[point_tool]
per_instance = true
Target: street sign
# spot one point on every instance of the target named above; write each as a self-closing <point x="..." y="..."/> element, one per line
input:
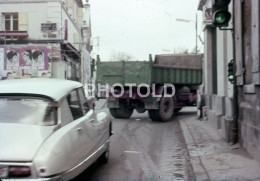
<point x="47" y="27"/>
<point x="207" y="15"/>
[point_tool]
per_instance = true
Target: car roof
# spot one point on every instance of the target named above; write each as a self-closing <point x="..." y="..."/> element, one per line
<point x="52" y="88"/>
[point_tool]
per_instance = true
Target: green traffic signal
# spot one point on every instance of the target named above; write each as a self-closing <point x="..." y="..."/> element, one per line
<point x="220" y="17"/>
<point x="231" y="71"/>
<point x="231" y="77"/>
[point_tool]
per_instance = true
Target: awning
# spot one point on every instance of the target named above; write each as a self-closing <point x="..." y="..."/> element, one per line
<point x="14" y="33"/>
<point x="71" y="51"/>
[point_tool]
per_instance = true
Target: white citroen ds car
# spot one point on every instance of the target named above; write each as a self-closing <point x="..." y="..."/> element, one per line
<point x="48" y="131"/>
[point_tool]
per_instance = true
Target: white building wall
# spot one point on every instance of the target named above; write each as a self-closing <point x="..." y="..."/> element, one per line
<point x="221" y="67"/>
<point x="45" y="12"/>
<point x="219" y="104"/>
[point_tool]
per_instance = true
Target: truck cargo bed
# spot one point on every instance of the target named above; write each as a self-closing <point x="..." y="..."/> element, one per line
<point x="174" y="69"/>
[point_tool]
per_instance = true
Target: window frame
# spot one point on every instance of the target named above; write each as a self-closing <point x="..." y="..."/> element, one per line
<point x="12" y="19"/>
<point x="79" y="103"/>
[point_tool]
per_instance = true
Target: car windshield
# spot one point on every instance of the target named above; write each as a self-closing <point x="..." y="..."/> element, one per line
<point x="26" y="111"/>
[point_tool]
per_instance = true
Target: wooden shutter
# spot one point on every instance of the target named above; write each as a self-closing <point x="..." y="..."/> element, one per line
<point x="22" y="21"/>
<point x="80" y="17"/>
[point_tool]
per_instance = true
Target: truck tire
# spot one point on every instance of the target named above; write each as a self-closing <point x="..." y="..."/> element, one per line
<point x="140" y="110"/>
<point x="177" y="110"/>
<point x="123" y="112"/>
<point x="153" y="115"/>
<point x="113" y="112"/>
<point x="165" y="111"/>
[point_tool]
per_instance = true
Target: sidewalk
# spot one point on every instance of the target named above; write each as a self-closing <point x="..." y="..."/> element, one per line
<point x="214" y="159"/>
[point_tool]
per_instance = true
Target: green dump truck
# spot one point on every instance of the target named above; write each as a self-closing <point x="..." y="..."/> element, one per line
<point x="163" y="86"/>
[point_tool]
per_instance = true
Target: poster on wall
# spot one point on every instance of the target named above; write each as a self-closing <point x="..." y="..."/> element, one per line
<point x="24" y="62"/>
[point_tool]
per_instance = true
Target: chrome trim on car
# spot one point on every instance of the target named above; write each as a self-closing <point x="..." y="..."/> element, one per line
<point x="88" y="158"/>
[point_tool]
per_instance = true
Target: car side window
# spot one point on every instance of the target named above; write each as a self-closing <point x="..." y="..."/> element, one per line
<point x="83" y="100"/>
<point x="74" y="104"/>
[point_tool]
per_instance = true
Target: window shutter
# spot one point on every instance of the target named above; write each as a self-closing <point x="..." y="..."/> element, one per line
<point x="2" y="21"/>
<point x="22" y="20"/>
<point x="70" y="4"/>
<point x="80" y="17"/>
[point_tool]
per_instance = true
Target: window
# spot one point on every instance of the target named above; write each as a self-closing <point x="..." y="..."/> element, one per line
<point x="11" y="21"/>
<point x="26" y="110"/>
<point x="74" y="104"/>
<point x="83" y="99"/>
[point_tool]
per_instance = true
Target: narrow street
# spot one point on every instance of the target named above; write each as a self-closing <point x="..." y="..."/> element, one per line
<point x="145" y="150"/>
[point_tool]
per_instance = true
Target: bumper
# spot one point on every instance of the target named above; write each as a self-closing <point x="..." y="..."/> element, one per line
<point x="56" y="178"/>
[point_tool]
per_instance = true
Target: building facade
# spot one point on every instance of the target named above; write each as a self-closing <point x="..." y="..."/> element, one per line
<point x="233" y="109"/>
<point x="44" y="38"/>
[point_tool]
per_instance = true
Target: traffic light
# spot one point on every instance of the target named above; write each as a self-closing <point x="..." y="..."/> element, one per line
<point x="92" y="66"/>
<point x="220" y="14"/>
<point x="231" y="71"/>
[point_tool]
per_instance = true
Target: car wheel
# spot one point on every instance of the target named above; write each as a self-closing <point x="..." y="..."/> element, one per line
<point x="105" y="156"/>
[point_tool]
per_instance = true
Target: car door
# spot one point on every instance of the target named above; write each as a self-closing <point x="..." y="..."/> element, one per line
<point x="90" y="124"/>
<point x="97" y="126"/>
<point x="78" y="133"/>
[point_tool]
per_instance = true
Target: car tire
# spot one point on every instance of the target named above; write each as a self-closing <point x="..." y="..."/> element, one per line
<point x="103" y="159"/>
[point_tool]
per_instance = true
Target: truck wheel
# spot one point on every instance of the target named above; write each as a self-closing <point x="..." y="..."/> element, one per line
<point x="153" y="114"/>
<point x="123" y="112"/>
<point x="177" y="110"/>
<point x="166" y="108"/>
<point x="140" y="110"/>
<point x="113" y="112"/>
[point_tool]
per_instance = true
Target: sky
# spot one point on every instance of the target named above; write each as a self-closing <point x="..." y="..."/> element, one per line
<point x="142" y="27"/>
